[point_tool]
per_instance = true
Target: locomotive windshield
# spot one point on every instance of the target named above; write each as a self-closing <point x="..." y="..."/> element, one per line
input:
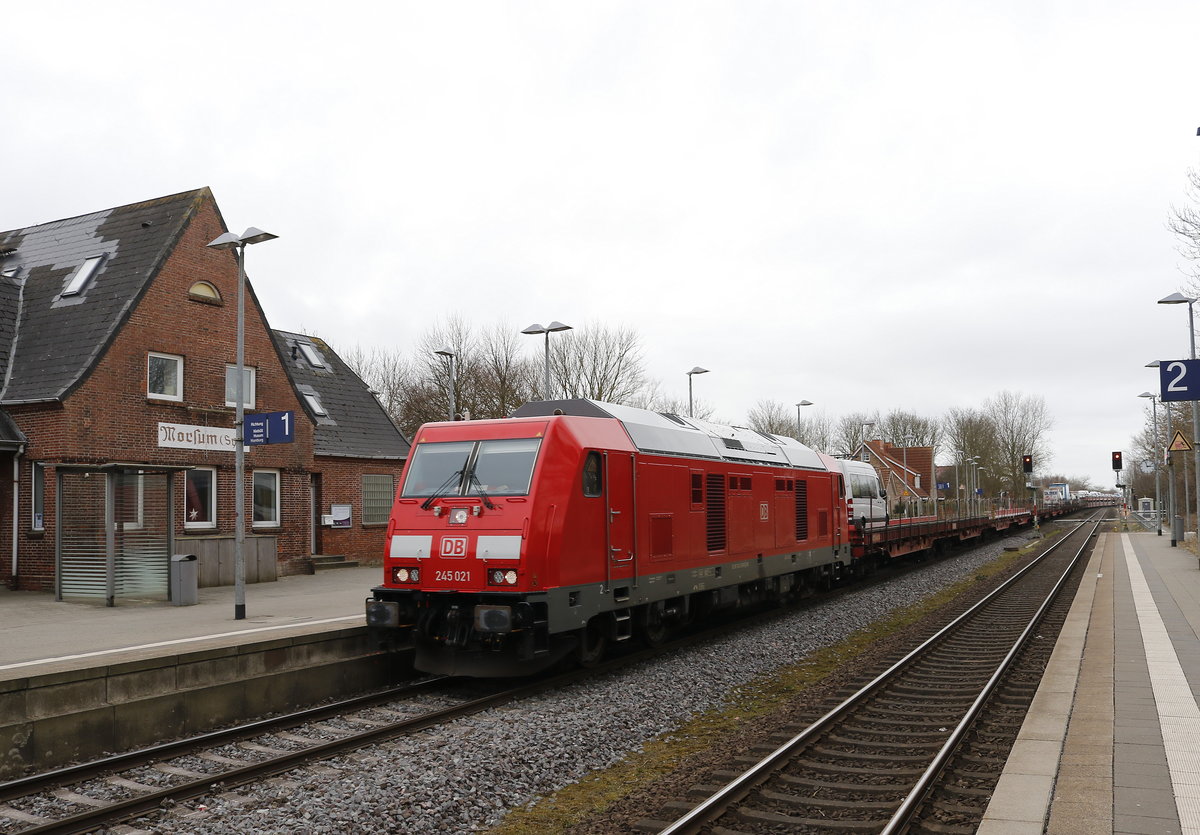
<point x="461" y="468"/>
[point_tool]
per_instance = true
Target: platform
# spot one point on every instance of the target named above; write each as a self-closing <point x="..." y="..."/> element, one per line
<point x="1112" y="742"/>
<point x="43" y="636"/>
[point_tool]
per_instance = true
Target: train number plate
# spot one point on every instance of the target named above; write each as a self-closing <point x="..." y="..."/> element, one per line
<point x="452" y="576"/>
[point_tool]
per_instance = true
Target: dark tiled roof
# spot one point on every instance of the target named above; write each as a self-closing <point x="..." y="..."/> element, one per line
<point x="11" y="437"/>
<point x="355" y="426"/>
<point x="48" y="342"/>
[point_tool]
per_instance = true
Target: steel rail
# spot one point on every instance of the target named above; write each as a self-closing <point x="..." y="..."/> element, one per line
<point x="904" y="815"/>
<point x="738" y="788"/>
<point x="81" y="771"/>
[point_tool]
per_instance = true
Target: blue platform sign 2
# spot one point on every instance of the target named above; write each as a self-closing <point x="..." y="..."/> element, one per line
<point x="270" y="428"/>
<point x="1179" y="379"/>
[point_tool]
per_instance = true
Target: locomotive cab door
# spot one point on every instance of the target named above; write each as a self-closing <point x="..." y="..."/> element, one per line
<point x="620" y="494"/>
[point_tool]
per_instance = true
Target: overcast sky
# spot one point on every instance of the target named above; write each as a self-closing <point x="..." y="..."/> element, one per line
<point x="868" y="205"/>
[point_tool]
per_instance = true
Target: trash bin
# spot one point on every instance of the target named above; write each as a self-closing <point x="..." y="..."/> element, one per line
<point x="184" y="580"/>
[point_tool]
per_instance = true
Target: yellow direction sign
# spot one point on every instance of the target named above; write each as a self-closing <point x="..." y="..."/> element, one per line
<point x="1179" y="443"/>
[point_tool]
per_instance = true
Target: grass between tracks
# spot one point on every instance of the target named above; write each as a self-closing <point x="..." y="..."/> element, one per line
<point x="764" y="695"/>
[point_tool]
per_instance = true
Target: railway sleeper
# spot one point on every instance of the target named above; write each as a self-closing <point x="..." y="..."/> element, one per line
<point x="760" y="816"/>
<point x="822" y="785"/>
<point x="873" y="738"/>
<point x="840" y="770"/>
<point x="838" y="754"/>
<point x="853" y="804"/>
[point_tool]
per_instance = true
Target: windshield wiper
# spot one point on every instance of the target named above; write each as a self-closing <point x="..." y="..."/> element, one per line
<point x="482" y="494"/>
<point x="438" y="493"/>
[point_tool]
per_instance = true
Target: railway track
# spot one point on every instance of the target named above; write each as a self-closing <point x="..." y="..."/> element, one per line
<point x="92" y="795"/>
<point x="917" y="748"/>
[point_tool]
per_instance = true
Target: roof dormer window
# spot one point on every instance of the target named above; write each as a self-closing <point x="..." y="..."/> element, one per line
<point x="79" y="280"/>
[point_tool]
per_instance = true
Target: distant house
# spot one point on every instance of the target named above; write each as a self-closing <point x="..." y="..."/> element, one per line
<point x="908" y="474"/>
<point x="117" y="361"/>
<point x="357" y="451"/>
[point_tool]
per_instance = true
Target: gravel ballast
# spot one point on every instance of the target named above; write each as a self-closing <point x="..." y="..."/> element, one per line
<point x="465" y="776"/>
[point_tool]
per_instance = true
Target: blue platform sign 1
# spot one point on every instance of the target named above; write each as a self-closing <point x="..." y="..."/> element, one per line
<point x="1179" y="379"/>
<point x="270" y="428"/>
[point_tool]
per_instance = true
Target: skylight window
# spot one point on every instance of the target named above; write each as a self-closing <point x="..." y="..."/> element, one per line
<point x="312" y="355"/>
<point x="86" y="270"/>
<point x="314" y="403"/>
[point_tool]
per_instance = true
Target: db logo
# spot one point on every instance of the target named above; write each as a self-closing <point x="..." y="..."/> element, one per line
<point x="454" y="546"/>
<point x="763" y="513"/>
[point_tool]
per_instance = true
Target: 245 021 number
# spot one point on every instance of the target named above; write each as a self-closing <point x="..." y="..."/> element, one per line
<point x="452" y="576"/>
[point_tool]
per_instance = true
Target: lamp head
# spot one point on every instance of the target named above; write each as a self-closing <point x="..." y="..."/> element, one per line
<point x="1176" y="298"/>
<point x="697" y="370"/>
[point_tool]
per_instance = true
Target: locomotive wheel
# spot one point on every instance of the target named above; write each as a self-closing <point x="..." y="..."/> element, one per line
<point x="593" y="643"/>
<point x="652" y="626"/>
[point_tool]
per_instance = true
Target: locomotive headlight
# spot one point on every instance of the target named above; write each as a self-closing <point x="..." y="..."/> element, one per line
<point x="406" y="575"/>
<point x="502" y="577"/>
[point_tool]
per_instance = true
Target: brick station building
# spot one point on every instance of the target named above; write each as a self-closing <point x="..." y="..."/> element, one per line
<point x="117" y="377"/>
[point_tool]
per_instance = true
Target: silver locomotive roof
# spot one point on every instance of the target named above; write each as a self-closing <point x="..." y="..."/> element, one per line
<point x="670" y="434"/>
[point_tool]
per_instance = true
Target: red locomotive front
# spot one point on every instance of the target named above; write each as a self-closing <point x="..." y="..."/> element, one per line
<point x="514" y="543"/>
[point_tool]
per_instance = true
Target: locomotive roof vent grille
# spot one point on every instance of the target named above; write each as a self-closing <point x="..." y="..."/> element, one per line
<point x="733" y="443"/>
<point x="675" y="419"/>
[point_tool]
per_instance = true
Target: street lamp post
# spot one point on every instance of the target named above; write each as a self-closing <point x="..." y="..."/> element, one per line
<point x="238" y="244"/>
<point x="446" y="352"/>
<point x="1179" y="298"/>
<point x="690" y="374"/>
<point x="1157" y="482"/>
<point x="799" y="422"/>
<point x="553" y="327"/>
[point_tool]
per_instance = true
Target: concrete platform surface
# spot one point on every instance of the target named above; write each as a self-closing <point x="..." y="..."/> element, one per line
<point x="41" y="635"/>
<point x="1112" y="742"/>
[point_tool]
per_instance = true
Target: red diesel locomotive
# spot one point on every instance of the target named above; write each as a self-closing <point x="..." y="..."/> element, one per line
<point x="515" y="543"/>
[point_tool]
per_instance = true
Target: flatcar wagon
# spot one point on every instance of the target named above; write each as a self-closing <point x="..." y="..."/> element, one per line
<point x="516" y="543"/>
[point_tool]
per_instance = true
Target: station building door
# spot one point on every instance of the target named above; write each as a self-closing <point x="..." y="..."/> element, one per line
<point x="115" y="533"/>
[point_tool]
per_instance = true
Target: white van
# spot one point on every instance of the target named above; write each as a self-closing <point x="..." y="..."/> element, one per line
<point x="866" y="500"/>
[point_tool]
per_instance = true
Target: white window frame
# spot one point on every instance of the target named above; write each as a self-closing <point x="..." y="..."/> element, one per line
<point x="37" y="507"/>
<point x="314" y="402"/>
<point x="175" y="398"/>
<point x="311" y="354"/>
<point x="212" y="500"/>
<point x="81" y="277"/>
<point x="251" y="381"/>
<point x="266" y="523"/>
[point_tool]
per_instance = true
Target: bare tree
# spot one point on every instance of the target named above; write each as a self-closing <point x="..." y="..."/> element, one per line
<point x="597" y="362"/>
<point x="772" y="417"/>
<point x="816" y="431"/>
<point x="1020" y="423"/>
<point x="1185" y="221"/>
<point x="852" y="431"/>
<point x="900" y="428"/>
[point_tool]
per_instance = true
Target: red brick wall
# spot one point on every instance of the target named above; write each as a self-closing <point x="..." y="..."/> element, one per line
<point x="109" y="417"/>
<point x="341" y="483"/>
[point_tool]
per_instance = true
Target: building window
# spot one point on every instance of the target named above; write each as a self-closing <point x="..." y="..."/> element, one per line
<point x="266" y="498"/>
<point x="164" y="377"/>
<point x="200" y="498"/>
<point x="39" y="497"/>
<point x="377" y="494"/>
<point x="314" y="403"/>
<point x="311" y="354"/>
<point x="80" y="279"/>
<point x="203" y="291"/>
<point x="248" y="377"/>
